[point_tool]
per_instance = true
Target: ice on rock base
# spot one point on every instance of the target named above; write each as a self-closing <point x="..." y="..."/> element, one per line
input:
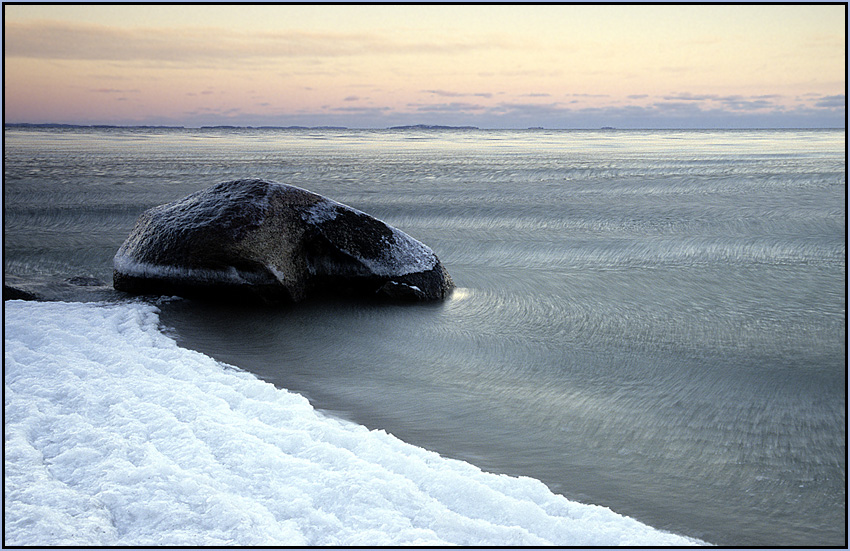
<point x="115" y="436"/>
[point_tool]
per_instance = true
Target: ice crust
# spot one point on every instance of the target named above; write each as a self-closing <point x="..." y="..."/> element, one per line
<point x="231" y="275"/>
<point x="402" y="255"/>
<point x="115" y="436"/>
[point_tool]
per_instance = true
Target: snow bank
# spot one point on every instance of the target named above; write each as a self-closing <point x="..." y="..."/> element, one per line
<point x="116" y="436"/>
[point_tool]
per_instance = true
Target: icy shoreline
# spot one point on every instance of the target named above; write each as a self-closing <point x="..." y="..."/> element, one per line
<point x="116" y="436"/>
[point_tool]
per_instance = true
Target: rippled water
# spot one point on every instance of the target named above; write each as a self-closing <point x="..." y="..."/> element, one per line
<point x="651" y="321"/>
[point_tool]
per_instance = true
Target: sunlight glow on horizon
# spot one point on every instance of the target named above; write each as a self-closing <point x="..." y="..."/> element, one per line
<point x="374" y="66"/>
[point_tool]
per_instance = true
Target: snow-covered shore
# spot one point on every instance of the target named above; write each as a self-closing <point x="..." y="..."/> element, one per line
<point x="116" y="436"/>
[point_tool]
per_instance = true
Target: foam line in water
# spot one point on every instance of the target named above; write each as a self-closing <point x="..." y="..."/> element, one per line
<point x="116" y="436"/>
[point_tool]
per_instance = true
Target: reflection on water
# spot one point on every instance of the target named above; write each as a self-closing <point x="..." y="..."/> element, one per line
<point x="651" y="321"/>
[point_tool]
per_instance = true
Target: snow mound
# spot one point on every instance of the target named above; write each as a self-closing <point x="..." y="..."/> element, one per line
<point x="115" y="436"/>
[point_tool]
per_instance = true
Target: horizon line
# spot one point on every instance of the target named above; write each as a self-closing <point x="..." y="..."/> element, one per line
<point x="395" y="127"/>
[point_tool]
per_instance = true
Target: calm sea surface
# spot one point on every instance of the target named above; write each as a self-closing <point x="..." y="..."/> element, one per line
<point x="653" y="321"/>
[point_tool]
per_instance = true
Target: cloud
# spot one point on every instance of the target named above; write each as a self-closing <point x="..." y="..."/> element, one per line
<point x="114" y="91"/>
<point x="360" y="110"/>
<point x="684" y="101"/>
<point x="832" y="101"/>
<point x="351" y="98"/>
<point x="77" y="41"/>
<point x="213" y="115"/>
<point x="676" y="106"/>
<point x="453" y="107"/>
<point x="524" y="73"/>
<point x="727" y="112"/>
<point x="661" y="114"/>
<point x="748" y="105"/>
<point x="525" y="111"/>
<point x="691" y="97"/>
<point x="449" y="94"/>
<point x="709" y="111"/>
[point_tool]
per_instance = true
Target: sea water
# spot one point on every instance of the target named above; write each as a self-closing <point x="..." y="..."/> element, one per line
<point x="651" y="321"/>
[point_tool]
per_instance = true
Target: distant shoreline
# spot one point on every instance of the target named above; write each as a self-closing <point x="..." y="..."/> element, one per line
<point x="402" y="127"/>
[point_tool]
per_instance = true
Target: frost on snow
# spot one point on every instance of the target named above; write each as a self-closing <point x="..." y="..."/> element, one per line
<point x="115" y="436"/>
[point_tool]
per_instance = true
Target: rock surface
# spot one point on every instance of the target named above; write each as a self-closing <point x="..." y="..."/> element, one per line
<point x="279" y="243"/>
<point x="13" y="293"/>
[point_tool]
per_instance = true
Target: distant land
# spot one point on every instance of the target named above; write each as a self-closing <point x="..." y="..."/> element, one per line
<point x="216" y="127"/>
<point x="233" y="127"/>
<point x="404" y="127"/>
<point x="230" y="127"/>
<point x="60" y="125"/>
<point x="432" y="127"/>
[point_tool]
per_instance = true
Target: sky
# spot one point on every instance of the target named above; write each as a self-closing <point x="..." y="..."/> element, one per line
<point x="374" y="66"/>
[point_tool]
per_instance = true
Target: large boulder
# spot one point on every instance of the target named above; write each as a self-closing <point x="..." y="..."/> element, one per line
<point x="276" y="242"/>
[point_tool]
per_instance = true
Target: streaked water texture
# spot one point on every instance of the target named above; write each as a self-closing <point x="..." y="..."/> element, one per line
<point x="653" y="321"/>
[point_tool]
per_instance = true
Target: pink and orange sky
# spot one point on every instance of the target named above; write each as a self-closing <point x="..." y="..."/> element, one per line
<point x="373" y="66"/>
